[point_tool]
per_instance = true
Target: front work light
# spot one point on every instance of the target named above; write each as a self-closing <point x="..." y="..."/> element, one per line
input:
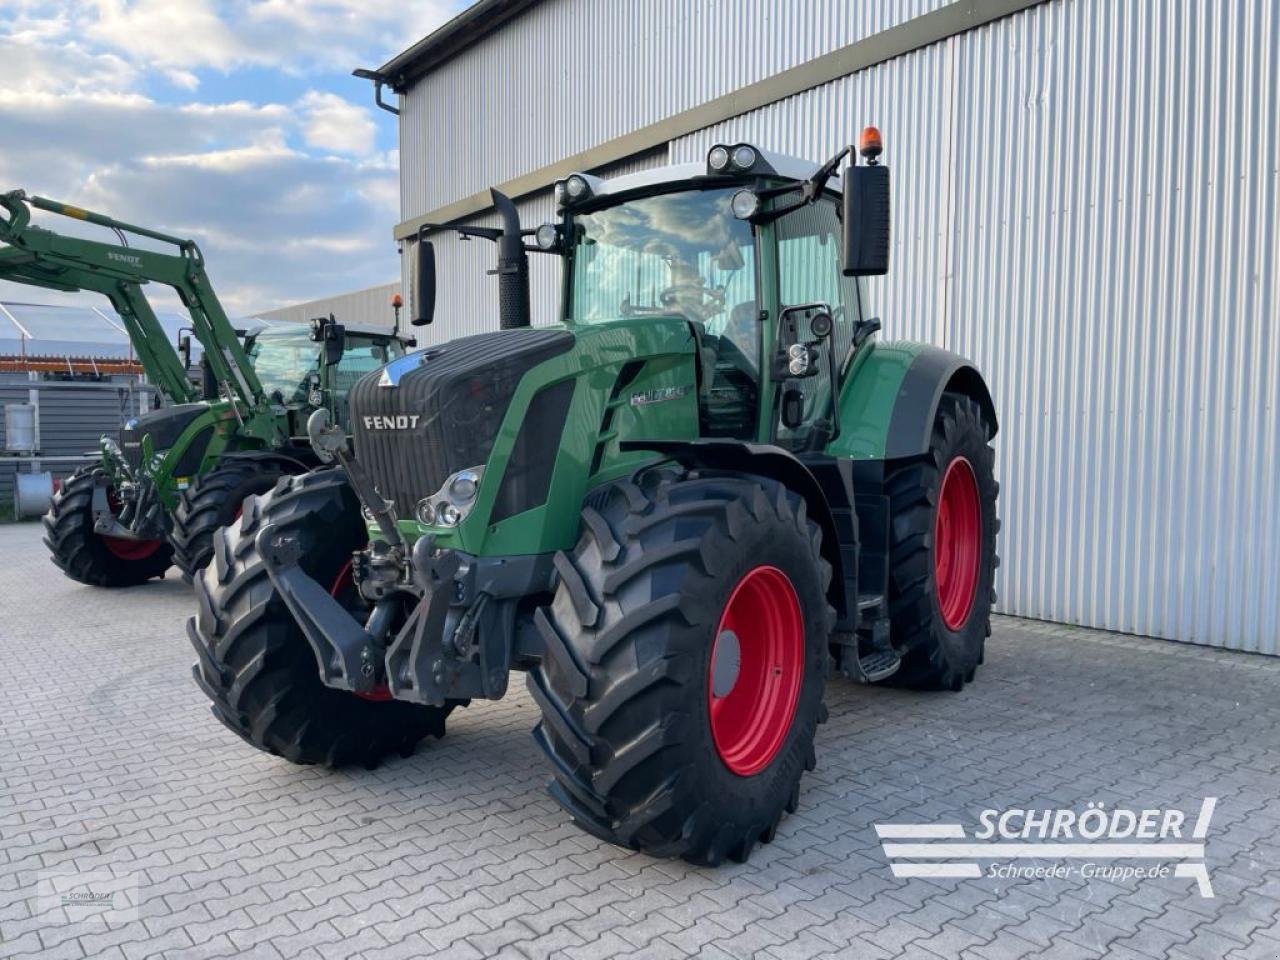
<point x="545" y="236"/>
<point x="575" y="187"/>
<point x="745" y="204"/>
<point x="744" y="157"/>
<point x="718" y="158"/>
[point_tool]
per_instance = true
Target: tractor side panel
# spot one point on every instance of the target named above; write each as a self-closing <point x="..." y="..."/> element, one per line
<point x="867" y="398"/>
<point x="186" y="457"/>
<point x="561" y="431"/>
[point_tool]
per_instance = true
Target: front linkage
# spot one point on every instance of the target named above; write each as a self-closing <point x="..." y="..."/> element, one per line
<point x="457" y="639"/>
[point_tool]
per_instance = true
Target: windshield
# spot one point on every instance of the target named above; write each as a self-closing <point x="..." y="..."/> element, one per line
<point x="282" y="362"/>
<point x="679" y="254"/>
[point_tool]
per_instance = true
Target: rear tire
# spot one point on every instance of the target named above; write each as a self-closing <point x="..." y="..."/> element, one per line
<point x="213" y="501"/>
<point x="254" y="663"/>
<point x="639" y="673"/>
<point x="942" y="570"/>
<point x="87" y="556"/>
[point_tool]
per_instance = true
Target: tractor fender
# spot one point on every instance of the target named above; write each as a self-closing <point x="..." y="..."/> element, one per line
<point x="741" y="456"/>
<point x="933" y="372"/>
<point x="890" y="397"/>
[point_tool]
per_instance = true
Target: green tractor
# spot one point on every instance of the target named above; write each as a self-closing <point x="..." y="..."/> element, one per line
<point x="178" y="473"/>
<point x="676" y="511"/>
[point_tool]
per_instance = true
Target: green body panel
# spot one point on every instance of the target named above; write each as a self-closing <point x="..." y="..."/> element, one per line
<point x="161" y="467"/>
<point x="868" y="392"/>
<point x="666" y="349"/>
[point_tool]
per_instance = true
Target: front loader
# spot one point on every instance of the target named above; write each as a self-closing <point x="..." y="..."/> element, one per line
<point x="675" y="511"/>
<point x="178" y="472"/>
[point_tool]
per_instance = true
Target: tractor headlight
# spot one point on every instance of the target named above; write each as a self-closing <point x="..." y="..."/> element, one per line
<point x="575" y="187"/>
<point x="545" y="236"/>
<point x="798" y="359"/>
<point x="463" y="486"/>
<point x="559" y="193"/>
<point x="745" y="204"/>
<point x="744" y="157"/>
<point x="449" y="505"/>
<point x="718" y="158"/>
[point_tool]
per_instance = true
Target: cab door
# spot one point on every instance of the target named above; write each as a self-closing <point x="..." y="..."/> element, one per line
<point x="809" y="284"/>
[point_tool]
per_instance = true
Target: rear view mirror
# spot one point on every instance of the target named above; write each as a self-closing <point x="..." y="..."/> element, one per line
<point x="424" y="283"/>
<point x="184" y="348"/>
<point x="335" y="342"/>
<point x="866" y="221"/>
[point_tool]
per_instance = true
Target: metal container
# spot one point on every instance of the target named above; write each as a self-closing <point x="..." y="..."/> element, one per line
<point x="33" y="493"/>
<point x="20" y="427"/>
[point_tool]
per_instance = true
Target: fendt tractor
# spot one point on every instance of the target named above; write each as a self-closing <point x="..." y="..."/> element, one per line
<point x="178" y="473"/>
<point x="676" y="510"/>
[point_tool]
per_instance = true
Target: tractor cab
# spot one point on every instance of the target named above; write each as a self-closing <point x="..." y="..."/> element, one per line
<point x="746" y="250"/>
<point x="303" y="369"/>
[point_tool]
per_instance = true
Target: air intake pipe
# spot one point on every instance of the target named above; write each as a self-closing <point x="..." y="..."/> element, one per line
<point x="513" y="267"/>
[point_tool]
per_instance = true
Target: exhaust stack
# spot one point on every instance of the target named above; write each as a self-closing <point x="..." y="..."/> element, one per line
<point x="513" y="267"/>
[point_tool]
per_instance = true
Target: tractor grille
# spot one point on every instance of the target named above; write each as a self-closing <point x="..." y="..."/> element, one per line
<point x="164" y="426"/>
<point x="437" y="411"/>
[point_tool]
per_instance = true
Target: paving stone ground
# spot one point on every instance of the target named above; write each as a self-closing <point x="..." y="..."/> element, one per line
<point x="113" y="770"/>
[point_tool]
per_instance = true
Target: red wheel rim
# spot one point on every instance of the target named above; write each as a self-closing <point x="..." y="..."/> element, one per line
<point x="343" y="587"/>
<point x="957" y="543"/>
<point x="752" y="710"/>
<point x="122" y="547"/>
<point x="125" y="549"/>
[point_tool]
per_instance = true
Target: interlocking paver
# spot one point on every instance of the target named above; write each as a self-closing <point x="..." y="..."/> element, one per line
<point x="458" y="852"/>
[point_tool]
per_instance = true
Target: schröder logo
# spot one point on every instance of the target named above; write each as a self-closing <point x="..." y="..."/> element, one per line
<point x="1092" y="843"/>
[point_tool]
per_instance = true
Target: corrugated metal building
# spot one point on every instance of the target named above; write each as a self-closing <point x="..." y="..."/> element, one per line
<point x="365" y="308"/>
<point x="1085" y="203"/>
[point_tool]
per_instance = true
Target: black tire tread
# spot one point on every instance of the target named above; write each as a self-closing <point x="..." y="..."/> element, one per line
<point x="606" y="742"/>
<point x="252" y="661"/>
<point x="929" y="661"/>
<point x="207" y="505"/>
<point x="79" y="552"/>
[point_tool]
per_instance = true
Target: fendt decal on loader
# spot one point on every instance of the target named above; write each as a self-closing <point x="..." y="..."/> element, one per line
<point x="176" y="474"/>
<point x="676" y="579"/>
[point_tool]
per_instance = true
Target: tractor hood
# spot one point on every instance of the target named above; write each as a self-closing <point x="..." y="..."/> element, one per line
<point x="164" y="426"/>
<point x="437" y="411"/>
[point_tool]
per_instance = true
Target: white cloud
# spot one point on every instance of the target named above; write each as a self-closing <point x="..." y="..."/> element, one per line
<point x="165" y="33"/>
<point x="337" y="125"/>
<point x="288" y="200"/>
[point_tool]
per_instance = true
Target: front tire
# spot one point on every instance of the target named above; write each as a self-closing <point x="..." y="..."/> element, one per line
<point x="943" y="550"/>
<point x="686" y="651"/>
<point x="213" y="501"/>
<point x="254" y="663"/>
<point x="84" y="554"/>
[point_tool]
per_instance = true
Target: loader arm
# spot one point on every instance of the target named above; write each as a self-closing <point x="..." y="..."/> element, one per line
<point x="45" y="258"/>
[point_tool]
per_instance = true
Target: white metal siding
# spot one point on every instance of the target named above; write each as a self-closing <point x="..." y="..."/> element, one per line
<point x="569" y="75"/>
<point x="367" y="308"/>
<point x="1085" y="202"/>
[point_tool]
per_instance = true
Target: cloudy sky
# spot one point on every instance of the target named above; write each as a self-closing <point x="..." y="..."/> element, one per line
<point x="236" y="123"/>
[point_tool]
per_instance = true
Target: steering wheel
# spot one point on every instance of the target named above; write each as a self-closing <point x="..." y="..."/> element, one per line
<point x="710" y="300"/>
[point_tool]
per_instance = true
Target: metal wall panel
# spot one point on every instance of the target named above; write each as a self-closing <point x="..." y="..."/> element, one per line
<point x="1085" y="202"/>
<point x="73" y="416"/>
<point x="571" y="74"/>
<point x="367" y="308"/>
